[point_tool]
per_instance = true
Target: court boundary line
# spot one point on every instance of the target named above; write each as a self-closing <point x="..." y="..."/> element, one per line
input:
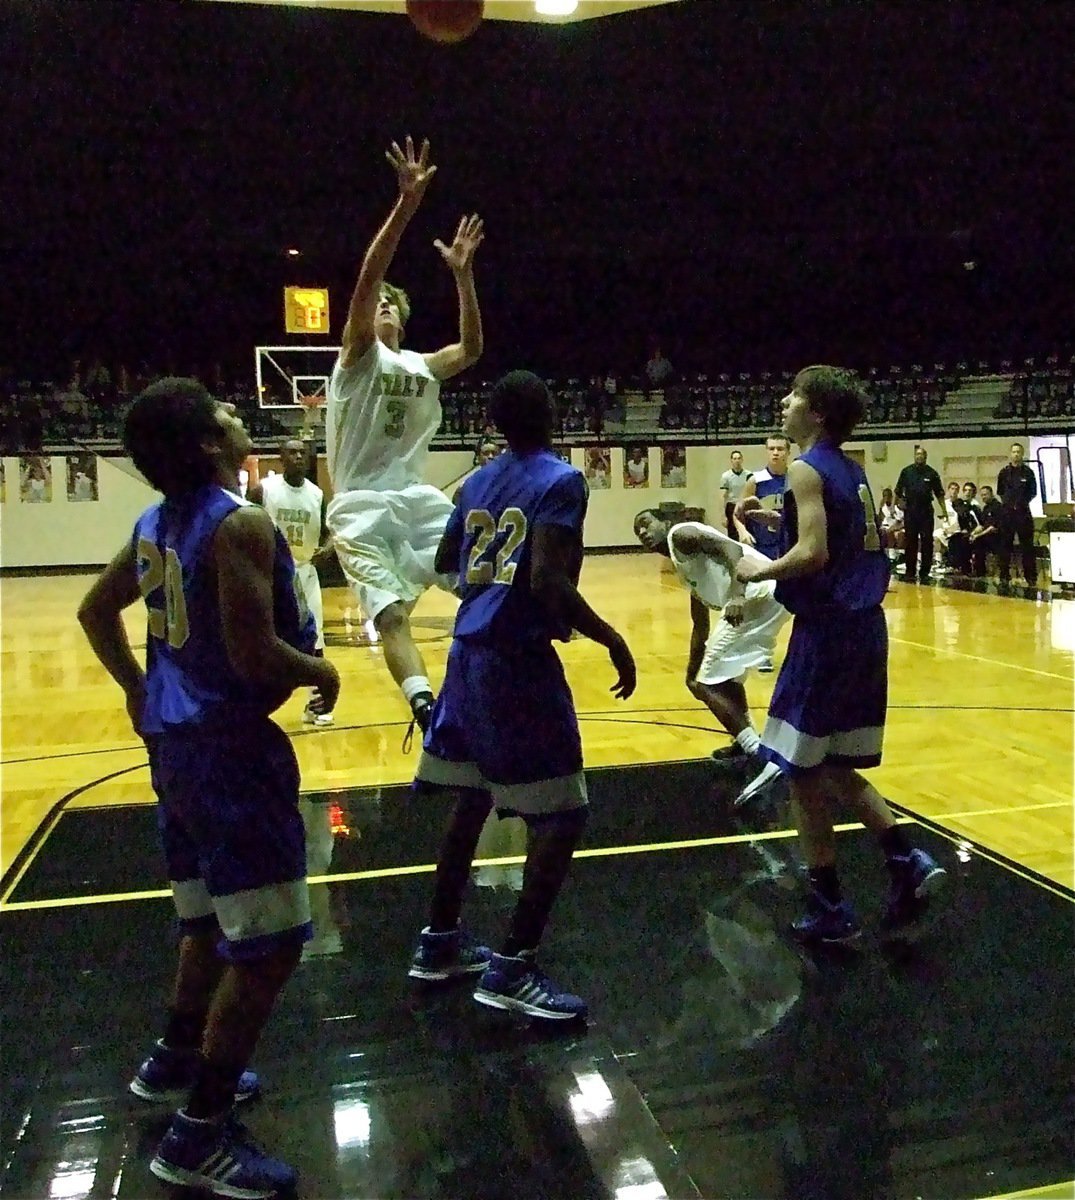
<point x="994" y="856"/>
<point x="399" y="872"/>
<point x="905" y="817"/>
<point x="595" y="714"/>
<point x="1047" y="1191"/>
<point x="20" y="864"/>
<point x="992" y="662"/>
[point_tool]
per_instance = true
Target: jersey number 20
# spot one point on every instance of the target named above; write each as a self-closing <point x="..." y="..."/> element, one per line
<point x="169" y="623"/>
<point x="480" y="522"/>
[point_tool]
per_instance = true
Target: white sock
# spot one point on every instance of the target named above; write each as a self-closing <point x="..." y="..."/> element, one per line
<point x="413" y="686"/>
<point x="748" y="738"/>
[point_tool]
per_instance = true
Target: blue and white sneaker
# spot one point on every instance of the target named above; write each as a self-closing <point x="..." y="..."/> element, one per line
<point x="766" y="779"/>
<point x="448" y="955"/>
<point x="913" y="885"/>
<point x="168" y="1075"/>
<point x="220" y="1157"/>
<point x="517" y="985"/>
<point x="825" y="922"/>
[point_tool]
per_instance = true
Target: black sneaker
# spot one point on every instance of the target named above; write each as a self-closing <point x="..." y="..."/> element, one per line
<point x="728" y="753"/>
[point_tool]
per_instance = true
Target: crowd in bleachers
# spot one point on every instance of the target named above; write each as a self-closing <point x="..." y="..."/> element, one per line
<point x="87" y="405"/>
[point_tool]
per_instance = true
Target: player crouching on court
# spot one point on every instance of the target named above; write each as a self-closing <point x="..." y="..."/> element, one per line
<point x="827" y="715"/>
<point x="705" y="560"/>
<point x="504" y="730"/>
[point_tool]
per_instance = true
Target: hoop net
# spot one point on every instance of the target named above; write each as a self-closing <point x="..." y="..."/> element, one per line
<point x="311" y="412"/>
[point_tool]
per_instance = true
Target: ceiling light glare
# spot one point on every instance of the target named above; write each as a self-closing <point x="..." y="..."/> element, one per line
<point x="555" y="8"/>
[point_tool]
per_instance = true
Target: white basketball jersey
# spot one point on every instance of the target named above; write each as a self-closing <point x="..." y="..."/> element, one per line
<point x="710" y="579"/>
<point x="380" y="417"/>
<point x="296" y="512"/>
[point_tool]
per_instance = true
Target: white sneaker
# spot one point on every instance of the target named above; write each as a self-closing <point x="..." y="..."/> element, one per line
<point x="766" y="777"/>
<point x="318" y="720"/>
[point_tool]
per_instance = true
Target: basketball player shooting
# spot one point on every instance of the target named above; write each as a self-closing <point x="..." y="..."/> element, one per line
<point x="382" y="410"/>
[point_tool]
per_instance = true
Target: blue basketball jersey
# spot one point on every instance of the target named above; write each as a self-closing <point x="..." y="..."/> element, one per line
<point x="499" y="508"/>
<point x="770" y="491"/>
<point x="189" y="676"/>
<point x="857" y="573"/>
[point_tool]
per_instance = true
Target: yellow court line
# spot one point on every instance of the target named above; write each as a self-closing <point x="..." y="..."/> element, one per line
<point x="993" y="662"/>
<point x="594" y="852"/>
<point x="1051" y="1191"/>
<point x="34" y="853"/>
<point x="429" y="868"/>
<point x="1000" y="812"/>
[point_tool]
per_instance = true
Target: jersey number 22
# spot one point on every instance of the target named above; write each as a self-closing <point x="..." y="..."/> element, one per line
<point x="480" y="522"/>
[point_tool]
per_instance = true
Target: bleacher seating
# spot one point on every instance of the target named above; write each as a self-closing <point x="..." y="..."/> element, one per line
<point x="966" y="398"/>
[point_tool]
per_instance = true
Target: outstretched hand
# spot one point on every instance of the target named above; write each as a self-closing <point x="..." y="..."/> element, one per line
<point x="623" y="664"/>
<point x="413" y="174"/>
<point x="459" y="256"/>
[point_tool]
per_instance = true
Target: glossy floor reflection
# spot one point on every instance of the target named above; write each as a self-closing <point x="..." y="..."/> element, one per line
<point x="720" y="1061"/>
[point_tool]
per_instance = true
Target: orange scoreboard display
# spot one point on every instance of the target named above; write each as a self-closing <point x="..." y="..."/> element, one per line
<point x="306" y="310"/>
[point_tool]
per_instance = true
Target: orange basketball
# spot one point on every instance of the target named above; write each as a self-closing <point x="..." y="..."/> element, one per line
<point x="446" y="20"/>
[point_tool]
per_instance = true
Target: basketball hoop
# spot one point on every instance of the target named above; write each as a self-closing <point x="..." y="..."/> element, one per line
<point x="311" y="413"/>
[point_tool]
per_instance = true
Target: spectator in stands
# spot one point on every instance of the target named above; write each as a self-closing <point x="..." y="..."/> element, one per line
<point x="732" y="483"/>
<point x="658" y="373"/>
<point x="916" y="488"/>
<point x="985" y="539"/>
<point x="1016" y="487"/>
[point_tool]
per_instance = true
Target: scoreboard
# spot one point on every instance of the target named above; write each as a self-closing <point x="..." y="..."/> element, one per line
<point x="306" y="310"/>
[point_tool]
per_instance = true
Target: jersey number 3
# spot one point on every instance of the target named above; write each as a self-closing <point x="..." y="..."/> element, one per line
<point x="169" y="623"/>
<point x="480" y="523"/>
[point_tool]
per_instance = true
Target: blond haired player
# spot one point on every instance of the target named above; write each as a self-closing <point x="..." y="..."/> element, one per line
<point x="382" y="411"/>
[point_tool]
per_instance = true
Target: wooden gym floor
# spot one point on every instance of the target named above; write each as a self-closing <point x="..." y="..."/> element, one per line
<point x="979" y="735"/>
<point x="719" y="1061"/>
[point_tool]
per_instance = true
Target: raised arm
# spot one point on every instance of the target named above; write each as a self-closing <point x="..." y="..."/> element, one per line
<point x="413" y="175"/>
<point x="459" y="257"/>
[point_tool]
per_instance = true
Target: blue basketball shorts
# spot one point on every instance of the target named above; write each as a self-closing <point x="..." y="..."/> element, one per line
<point x="505" y="723"/>
<point x="831" y="696"/>
<point x="232" y="833"/>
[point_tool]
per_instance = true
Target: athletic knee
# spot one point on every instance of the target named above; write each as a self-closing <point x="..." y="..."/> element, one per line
<point x="393" y="619"/>
<point x="473" y="803"/>
<point x="270" y="971"/>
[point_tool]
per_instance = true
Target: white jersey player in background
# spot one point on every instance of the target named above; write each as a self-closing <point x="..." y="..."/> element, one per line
<point x="382" y="410"/>
<point x="705" y="560"/>
<point x="297" y="507"/>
